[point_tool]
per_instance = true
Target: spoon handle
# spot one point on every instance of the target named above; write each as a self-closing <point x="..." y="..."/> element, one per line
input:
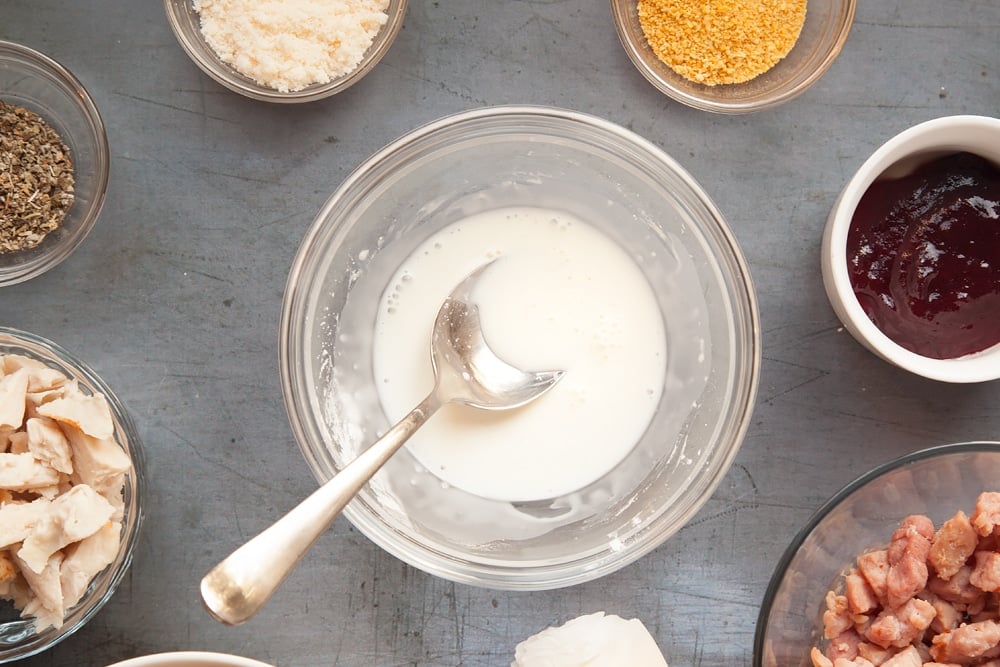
<point x="235" y="589"/>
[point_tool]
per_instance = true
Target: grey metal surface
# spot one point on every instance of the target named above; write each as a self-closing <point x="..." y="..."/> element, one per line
<point x="175" y="296"/>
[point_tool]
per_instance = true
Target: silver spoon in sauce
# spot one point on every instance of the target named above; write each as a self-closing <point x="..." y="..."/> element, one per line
<point x="465" y="371"/>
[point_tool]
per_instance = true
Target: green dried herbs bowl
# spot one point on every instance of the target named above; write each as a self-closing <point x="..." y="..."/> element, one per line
<point x="35" y="82"/>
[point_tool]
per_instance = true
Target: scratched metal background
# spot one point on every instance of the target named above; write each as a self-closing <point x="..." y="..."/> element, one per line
<point x="175" y="296"/>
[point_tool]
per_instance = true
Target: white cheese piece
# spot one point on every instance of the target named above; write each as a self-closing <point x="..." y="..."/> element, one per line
<point x="17" y="520"/>
<point x="89" y="413"/>
<point x="22" y="472"/>
<point x="76" y="514"/>
<point x="594" y="640"/>
<point x="89" y="556"/>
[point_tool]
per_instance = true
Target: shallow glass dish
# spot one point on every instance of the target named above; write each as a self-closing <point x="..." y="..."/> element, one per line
<point x="862" y="516"/>
<point x="18" y="638"/>
<point x="521" y="156"/>
<point x="38" y="83"/>
<point x="826" y="27"/>
<point x="186" y="24"/>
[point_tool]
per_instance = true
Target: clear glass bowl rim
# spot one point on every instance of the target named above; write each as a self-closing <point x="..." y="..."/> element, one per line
<point x="528" y="576"/>
<point x="793" y="548"/>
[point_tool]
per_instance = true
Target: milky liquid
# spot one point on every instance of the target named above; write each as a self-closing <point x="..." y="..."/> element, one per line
<point x="562" y="295"/>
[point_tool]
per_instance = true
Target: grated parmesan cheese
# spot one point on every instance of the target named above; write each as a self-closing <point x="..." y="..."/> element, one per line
<point x="290" y="44"/>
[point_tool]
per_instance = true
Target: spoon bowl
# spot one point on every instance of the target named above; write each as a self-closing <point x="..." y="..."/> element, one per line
<point x="466" y="371"/>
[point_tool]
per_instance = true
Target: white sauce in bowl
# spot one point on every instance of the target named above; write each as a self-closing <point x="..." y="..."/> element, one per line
<point x="562" y="296"/>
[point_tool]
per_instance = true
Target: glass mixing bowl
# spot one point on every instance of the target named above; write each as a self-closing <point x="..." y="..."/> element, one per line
<point x="542" y="157"/>
<point x="18" y="638"/>
<point x="862" y="516"/>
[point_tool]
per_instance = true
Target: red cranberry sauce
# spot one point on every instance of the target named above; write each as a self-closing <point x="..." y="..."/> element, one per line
<point x="923" y="253"/>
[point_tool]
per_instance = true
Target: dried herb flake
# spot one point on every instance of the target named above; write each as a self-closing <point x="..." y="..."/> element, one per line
<point x="36" y="178"/>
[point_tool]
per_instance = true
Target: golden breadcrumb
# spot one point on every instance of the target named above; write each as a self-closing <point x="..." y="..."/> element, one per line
<point x="721" y="41"/>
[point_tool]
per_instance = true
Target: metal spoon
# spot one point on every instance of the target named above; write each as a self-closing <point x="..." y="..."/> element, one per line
<point x="465" y="371"/>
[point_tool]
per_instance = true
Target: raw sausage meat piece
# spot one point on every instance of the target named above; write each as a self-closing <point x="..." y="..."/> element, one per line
<point x="874" y="566"/>
<point x="952" y="545"/>
<point x="907" y="554"/>
<point x="966" y="643"/>
<point x="986" y="516"/>
<point x="986" y="571"/>
<point x="861" y="598"/>
<point x="902" y="626"/>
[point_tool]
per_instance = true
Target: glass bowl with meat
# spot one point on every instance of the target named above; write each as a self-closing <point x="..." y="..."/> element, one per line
<point x="901" y="568"/>
<point x="70" y="493"/>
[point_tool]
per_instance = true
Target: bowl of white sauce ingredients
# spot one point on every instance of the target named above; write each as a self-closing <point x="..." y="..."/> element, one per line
<point x="286" y="50"/>
<point x="898" y="568"/>
<point x="911" y="250"/>
<point x="54" y="159"/>
<point x="70" y="477"/>
<point x="607" y="260"/>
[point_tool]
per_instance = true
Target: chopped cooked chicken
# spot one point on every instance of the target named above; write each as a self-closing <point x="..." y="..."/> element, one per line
<point x="45" y="583"/>
<point x="13" y="389"/>
<point x="62" y="478"/>
<point x="76" y="514"/>
<point x="40" y="376"/>
<point x="17" y="519"/>
<point x="48" y="444"/>
<point x="88" y="557"/>
<point x="18" y="443"/>
<point x="7" y="569"/>
<point x="96" y="461"/>
<point x="23" y="472"/>
<point x="88" y="413"/>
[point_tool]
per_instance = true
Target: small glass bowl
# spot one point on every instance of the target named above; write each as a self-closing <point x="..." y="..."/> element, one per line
<point x="897" y="157"/>
<point x="862" y="516"/>
<point x="186" y="24"/>
<point x="826" y="27"/>
<point x="18" y="638"/>
<point x="624" y="186"/>
<point x="38" y="83"/>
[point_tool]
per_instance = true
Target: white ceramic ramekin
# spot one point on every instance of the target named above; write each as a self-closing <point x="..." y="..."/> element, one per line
<point x="896" y="157"/>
